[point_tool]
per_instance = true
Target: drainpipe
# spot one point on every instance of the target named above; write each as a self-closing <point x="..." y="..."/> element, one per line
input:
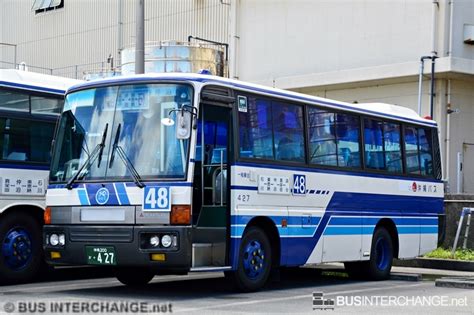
<point x="119" y="28"/>
<point x="432" y="89"/>
<point x="140" y="38"/>
<point x="434" y="39"/>
<point x="234" y="39"/>
<point x="451" y="14"/>
<point x="420" y="81"/>
<point x="448" y="130"/>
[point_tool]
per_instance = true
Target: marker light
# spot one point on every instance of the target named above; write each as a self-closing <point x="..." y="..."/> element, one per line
<point x="166" y="241"/>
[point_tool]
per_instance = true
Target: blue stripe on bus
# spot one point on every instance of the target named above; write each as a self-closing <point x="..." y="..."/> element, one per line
<point x="240" y="187"/>
<point x="122" y="194"/>
<point x="267" y="91"/>
<point x="83" y="198"/>
<point x="335" y="171"/>
<point x="373" y="221"/>
<point x="32" y="87"/>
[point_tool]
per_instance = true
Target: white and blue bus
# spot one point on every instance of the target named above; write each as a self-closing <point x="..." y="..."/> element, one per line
<point x="174" y="173"/>
<point x="30" y="105"/>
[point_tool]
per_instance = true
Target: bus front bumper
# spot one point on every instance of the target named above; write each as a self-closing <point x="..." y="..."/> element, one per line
<point x="130" y="246"/>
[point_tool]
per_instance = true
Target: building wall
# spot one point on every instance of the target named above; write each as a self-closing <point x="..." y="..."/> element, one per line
<point x="463" y="14"/>
<point x="304" y="36"/>
<point x="87" y="31"/>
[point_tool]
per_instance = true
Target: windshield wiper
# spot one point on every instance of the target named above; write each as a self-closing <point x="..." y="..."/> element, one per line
<point x="123" y="156"/>
<point x="97" y="152"/>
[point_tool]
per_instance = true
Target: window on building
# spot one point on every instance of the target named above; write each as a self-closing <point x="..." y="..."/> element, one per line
<point x="288" y="132"/>
<point x="25" y="141"/>
<point x="46" y="5"/>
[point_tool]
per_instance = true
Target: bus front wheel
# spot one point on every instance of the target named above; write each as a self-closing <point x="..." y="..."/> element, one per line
<point x="134" y="276"/>
<point x="21" y="255"/>
<point x="255" y="261"/>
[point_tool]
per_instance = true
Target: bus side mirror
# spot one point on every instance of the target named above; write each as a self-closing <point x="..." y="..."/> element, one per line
<point x="183" y="124"/>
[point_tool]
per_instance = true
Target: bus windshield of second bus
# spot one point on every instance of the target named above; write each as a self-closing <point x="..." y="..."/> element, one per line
<point x="128" y="118"/>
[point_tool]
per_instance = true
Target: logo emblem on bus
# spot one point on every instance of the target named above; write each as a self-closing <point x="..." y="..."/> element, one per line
<point x="102" y="196"/>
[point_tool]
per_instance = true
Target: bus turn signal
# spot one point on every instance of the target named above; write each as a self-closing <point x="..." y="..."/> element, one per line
<point x="47" y="216"/>
<point x="180" y="214"/>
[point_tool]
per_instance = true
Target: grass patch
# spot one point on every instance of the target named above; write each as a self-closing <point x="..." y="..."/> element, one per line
<point x="460" y="254"/>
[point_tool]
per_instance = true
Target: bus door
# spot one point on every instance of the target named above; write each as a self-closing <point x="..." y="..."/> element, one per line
<point x="210" y="186"/>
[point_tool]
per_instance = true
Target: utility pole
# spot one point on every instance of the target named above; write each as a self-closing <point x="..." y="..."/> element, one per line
<point x="140" y="38"/>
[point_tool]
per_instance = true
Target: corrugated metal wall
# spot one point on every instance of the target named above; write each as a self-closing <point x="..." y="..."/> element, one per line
<point x="85" y="32"/>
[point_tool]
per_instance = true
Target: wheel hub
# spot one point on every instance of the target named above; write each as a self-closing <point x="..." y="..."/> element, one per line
<point x="254" y="259"/>
<point x="16" y="248"/>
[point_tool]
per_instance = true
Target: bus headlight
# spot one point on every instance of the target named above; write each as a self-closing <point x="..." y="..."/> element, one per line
<point x="154" y="241"/>
<point x="62" y="240"/>
<point x="166" y="241"/>
<point x="54" y="239"/>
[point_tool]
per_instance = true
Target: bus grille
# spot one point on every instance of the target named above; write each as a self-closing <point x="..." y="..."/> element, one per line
<point x="124" y="235"/>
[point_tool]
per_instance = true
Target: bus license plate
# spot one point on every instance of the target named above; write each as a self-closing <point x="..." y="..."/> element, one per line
<point x="100" y="255"/>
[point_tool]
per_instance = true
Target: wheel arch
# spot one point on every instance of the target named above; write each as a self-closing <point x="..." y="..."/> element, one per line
<point x="32" y="210"/>
<point x="390" y="226"/>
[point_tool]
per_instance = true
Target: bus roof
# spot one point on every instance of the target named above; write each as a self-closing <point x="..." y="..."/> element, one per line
<point x="377" y="109"/>
<point x="37" y="82"/>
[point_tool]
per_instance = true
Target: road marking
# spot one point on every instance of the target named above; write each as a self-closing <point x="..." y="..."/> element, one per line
<point x="296" y="297"/>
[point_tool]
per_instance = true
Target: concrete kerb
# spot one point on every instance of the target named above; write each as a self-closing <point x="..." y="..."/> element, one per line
<point x="456" y="282"/>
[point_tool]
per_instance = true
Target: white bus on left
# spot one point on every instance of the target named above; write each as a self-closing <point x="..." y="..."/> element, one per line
<point x="29" y="108"/>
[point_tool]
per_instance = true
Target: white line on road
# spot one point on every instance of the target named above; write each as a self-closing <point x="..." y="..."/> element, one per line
<point x="289" y="298"/>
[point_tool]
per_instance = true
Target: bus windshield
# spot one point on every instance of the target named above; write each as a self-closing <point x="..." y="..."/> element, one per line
<point x="97" y="123"/>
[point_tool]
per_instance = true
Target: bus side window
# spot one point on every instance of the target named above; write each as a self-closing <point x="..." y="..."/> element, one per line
<point x="348" y="135"/>
<point x="411" y="150"/>
<point x="426" y="151"/>
<point x="393" y="150"/>
<point x="255" y="128"/>
<point x="288" y="132"/>
<point x="373" y="144"/>
<point x="322" y="138"/>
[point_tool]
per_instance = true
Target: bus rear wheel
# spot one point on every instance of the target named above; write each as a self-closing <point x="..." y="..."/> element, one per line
<point x="21" y="254"/>
<point x="381" y="255"/>
<point x="254" y="263"/>
<point x="134" y="276"/>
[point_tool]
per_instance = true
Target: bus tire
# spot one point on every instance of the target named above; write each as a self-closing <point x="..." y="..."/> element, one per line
<point x="381" y="255"/>
<point x="355" y="269"/>
<point x="255" y="261"/>
<point x="134" y="276"/>
<point x="21" y="252"/>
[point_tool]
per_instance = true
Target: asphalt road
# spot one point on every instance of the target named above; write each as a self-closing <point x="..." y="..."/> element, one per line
<point x="203" y="293"/>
